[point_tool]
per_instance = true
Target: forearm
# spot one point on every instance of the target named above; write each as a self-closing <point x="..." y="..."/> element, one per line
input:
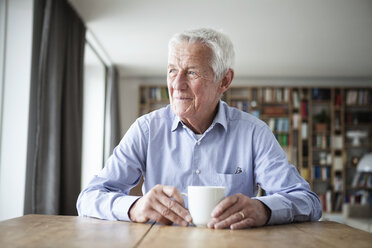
<point x="105" y="199"/>
<point x="292" y="207"/>
<point x="105" y="205"/>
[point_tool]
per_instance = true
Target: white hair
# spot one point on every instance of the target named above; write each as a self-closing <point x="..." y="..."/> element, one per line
<point x="223" y="54"/>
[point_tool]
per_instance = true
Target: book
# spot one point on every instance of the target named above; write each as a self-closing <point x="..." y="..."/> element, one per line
<point x="338" y="100"/>
<point x="356" y="179"/>
<point x="337" y="163"/>
<point x="296" y="120"/>
<point x="304" y="130"/>
<point x="275" y="110"/>
<point x="329" y="201"/>
<point x="338" y="203"/>
<point x="361" y="97"/>
<point x="256" y="113"/>
<point x="337" y="142"/>
<point x="305" y="173"/>
<point x="268" y="95"/>
<point x="337" y="183"/>
<point x="304" y="109"/>
<point x="296" y="99"/>
<point x="351" y="97"/>
<point x="286" y="95"/>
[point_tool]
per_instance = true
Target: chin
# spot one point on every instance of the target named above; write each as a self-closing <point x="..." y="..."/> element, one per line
<point x="182" y="112"/>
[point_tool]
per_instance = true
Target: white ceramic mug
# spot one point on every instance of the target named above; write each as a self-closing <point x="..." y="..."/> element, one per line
<point x="202" y="200"/>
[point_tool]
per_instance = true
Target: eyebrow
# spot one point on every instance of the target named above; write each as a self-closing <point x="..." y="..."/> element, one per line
<point x="190" y="67"/>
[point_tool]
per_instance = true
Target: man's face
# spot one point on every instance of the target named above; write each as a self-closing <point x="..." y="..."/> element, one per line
<point x="192" y="90"/>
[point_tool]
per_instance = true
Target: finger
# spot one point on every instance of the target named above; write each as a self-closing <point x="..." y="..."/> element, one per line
<point x="228" y="221"/>
<point x="228" y="212"/>
<point x="174" y="193"/>
<point x="174" y="207"/>
<point x="248" y="222"/>
<point x="154" y="215"/>
<point x="167" y="213"/>
<point x="223" y="205"/>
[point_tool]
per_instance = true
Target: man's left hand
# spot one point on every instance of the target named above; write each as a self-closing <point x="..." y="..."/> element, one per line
<point x="238" y="212"/>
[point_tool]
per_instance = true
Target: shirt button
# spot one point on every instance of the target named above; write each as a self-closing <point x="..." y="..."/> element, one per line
<point x="197" y="171"/>
<point x="198" y="143"/>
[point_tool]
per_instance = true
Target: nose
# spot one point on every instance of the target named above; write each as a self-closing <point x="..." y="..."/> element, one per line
<point x="180" y="82"/>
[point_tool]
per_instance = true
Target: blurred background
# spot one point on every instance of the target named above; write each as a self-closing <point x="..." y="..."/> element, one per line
<point x="75" y="74"/>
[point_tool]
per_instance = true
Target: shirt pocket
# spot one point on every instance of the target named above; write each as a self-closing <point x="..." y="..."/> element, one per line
<point x="234" y="183"/>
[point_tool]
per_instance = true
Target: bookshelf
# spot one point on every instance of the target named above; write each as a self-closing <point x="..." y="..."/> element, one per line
<point x="357" y="120"/>
<point x="312" y="124"/>
<point x="152" y="97"/>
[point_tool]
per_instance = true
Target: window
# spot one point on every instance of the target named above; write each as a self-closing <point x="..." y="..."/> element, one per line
<point x="93" y="115"/>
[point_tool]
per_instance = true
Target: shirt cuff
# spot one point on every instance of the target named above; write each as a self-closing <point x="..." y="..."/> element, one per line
<point x="122" y="205"/>
<point x="280" y="211"/>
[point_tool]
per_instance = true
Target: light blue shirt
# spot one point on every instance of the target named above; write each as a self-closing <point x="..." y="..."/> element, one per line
<point x="237" y="151"/>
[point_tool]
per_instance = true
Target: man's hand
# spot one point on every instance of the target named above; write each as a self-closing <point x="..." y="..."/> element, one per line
<point x="238" y="212"/>
<point x="164" y="204"/>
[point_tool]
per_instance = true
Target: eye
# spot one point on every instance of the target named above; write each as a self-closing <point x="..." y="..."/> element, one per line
<point x="172" y="71"/>
<point x="192" y="73"/>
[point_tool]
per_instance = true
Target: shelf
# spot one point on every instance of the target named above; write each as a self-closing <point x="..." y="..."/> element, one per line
<point x="239" y="98"/>
<point x="321" y="102"/>
<point x="321" y="132"/>
<point x="265" y="116"/>
<point x="350" y="125"/>
<point x="280" y="132"/>
<point x="358" y="106"/>
<point x="301" y="107"/>
<point x="358" y="147"/>
<point x="337" y="108"/>
<point x="316" y="163"/>
<point x="319" y="180"/>
<point x="362" y="188"/>
<point x="318" y="149"/>
<point x="275" y="103"/>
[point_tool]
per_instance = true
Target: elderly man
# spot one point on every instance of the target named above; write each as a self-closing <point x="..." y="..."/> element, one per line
<point x="200" y="140"/>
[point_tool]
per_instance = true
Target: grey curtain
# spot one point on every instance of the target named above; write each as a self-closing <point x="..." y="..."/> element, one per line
<point x="55" y="120"/>
<point x="112" y="119"/>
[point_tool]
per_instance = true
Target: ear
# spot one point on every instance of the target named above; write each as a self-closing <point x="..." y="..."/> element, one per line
<point x="226" y="81"/>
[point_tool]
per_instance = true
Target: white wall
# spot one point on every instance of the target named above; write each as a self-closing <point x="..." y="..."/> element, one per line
<point x="16" y="87"/>
<point x="129" y="89"/>
<point x="2" y="55"/>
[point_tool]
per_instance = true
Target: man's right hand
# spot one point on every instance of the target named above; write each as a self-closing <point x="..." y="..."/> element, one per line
<point x="164" y="204"/>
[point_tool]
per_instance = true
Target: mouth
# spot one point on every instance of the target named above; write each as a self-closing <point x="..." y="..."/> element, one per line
<point x="181" y="98"/>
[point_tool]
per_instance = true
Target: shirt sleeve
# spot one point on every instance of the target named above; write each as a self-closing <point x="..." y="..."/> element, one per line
<point x="288" y="195"/>
<point x="107" y="194"/>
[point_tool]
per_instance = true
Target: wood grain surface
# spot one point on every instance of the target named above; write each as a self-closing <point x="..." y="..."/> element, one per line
<point x="72" y="231"/>
<point x="69" y="231"/>
<point x="310" y="234"/>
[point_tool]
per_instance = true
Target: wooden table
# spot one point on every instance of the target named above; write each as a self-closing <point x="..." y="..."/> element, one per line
<point x="69" y="231"/>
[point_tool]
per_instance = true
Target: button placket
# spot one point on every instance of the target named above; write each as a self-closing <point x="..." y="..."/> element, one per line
<point x="196" y="166"/>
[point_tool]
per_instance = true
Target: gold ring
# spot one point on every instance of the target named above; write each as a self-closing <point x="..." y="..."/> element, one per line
<point x="242" y="215"/>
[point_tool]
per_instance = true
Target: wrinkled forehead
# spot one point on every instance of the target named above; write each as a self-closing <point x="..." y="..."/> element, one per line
<point x="186" y="52"/>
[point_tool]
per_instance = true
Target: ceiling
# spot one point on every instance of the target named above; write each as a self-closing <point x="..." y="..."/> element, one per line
<point x="287" y="38"/>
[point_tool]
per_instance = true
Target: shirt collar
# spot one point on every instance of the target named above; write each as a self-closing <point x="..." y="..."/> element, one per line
<point x="221" y="115"/>
<point x="176" y="122"/>
<point x="219" y="118"/>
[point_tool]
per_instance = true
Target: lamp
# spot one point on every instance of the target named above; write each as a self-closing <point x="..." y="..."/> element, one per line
<point x="365" y="164"/>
